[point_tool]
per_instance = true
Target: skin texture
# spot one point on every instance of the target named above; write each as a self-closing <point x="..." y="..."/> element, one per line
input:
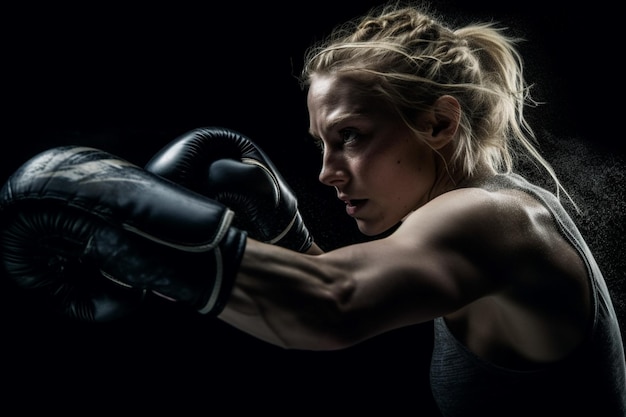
<point x="492" y="263"/>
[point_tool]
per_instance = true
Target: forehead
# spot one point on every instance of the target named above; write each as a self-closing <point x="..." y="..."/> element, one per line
<point x="334" y="100"/>
<point x="332" y="93"/>
<point x="332" y="88"/>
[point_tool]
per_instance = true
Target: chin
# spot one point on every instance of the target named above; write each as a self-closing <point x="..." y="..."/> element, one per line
<point x="377" y="231"/>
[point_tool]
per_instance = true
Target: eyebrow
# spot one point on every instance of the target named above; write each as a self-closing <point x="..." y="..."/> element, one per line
<point x="334" y="122"/>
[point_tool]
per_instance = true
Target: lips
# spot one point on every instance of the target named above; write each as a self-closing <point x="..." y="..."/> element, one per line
<point x="354" y="205"/>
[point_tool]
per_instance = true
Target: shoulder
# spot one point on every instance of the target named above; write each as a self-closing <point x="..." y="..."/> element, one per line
<point x="492" y="230"/>
<point x="476" y="213"/>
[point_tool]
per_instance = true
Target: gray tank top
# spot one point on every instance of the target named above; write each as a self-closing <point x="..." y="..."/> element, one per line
<point x="589" y="382"/>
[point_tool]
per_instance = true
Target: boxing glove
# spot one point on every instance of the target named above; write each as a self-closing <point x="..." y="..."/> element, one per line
<point x="227" y="166"/>
<point x="95" y="233"/>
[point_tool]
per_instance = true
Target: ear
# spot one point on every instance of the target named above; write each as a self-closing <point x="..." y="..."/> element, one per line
<point x="441" y="122"/>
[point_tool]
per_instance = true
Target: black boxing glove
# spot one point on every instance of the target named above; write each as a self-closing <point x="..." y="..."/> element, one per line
<point x="95" y="232"/>
<point x="227" y="166"/>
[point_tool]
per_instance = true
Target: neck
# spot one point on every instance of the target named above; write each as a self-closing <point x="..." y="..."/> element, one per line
<point x="448" y="176"/>
<point x="452" y="176"/>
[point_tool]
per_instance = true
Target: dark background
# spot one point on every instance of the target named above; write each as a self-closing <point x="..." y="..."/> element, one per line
<point x="129" y="79"/>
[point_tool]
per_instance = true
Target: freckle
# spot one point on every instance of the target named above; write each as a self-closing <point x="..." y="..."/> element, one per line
<point x="398" y="162"/>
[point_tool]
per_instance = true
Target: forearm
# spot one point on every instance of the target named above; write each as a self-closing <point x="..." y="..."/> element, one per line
<point x="285" y="298"/>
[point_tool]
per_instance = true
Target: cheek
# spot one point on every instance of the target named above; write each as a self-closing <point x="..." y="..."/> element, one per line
<point x="404" y="172"/>
<point x="420" y="159"/>
<point x="414" y="174"/>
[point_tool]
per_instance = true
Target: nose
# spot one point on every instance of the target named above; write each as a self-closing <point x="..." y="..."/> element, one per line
<point x="334" y="171"/>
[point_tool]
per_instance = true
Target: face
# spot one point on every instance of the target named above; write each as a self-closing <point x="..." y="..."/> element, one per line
<point x="377" y="165"/>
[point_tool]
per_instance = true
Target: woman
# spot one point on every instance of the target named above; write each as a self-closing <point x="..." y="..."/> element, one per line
<point x="419" y="125"/>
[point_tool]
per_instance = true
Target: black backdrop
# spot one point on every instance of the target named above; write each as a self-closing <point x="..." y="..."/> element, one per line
<point x="129" y="79"/>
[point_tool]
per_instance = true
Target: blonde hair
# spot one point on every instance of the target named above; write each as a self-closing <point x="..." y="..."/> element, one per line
<point x="411" y="59"/>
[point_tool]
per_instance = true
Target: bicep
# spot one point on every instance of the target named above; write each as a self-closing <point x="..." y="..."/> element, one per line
<point x="443" y="257"/>
<point x="403" y="280"/>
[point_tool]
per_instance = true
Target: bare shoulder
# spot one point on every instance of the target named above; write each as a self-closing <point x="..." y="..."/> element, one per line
<point x="535" y="280"/>
<point x="502" y="221"/>
<point x="510" y="239"/>
<point x="506" y="231"/>
<point x="478" y="238"/>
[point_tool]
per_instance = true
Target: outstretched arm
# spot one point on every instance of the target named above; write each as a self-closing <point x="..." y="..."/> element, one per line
<point x="468" y="255"/>
<point x="338" y="298"/>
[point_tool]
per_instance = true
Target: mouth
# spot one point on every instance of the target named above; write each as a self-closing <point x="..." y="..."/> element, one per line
<point x="354" y="205"/>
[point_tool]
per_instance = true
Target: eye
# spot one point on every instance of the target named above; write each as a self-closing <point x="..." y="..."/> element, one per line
<point x="319" y="144"/>
<point x="348" y="135"/>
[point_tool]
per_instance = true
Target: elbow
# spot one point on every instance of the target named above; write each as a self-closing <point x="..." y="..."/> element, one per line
<point x="345" y="324"/>
<point x="332" y="323"/>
